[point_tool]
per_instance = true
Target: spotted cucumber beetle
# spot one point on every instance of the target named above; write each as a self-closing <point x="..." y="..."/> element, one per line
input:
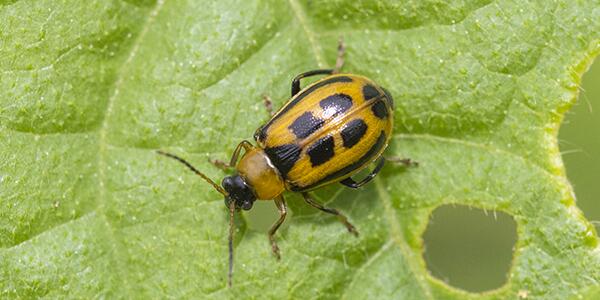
<point x="326" y="133"/>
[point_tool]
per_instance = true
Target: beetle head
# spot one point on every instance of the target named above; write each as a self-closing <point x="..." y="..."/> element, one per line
<point x="239" y="192"/>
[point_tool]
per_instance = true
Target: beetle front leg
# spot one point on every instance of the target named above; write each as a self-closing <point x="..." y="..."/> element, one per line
<point x="220" y="164"/>
<point x="234" y="157"/>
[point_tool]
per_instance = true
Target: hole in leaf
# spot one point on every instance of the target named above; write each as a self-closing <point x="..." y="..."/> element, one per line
<point x="469" y="248"/>
<point x="580" y="146"/>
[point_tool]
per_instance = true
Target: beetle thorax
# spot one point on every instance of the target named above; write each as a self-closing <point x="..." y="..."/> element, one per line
<point x="258" y="171"/>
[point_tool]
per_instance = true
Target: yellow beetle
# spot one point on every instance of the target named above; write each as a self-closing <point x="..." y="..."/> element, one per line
<point x="324" y="134"/>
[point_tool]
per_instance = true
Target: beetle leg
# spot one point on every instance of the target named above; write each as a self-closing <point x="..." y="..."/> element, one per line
<point x="407" y="162"/>
<point x="236" y="153"/>
<point x="339" y="62"/>
<point x="268" y="104"/>
<point x="220" y="164"/>
<point x="296" y="80"/>
<point x="349" y="182"/>
<point x="332" y="211"/>
<point x="243" y="144"/>
<point x="280" y="203"/>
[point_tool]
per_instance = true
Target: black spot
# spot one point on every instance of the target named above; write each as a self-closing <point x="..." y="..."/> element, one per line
<point x="369" y="92"/>
<point x="315" y="87"/>
<point x="336" y="104"/>
<point x="353" y="132"/>
<point x="389" y="98"/>
<point x="303" y="95"/>
<point x="305" y="125"/>
<point x="379" y="109"/>
<point x="321" y="151"/>
<point x="283" y="157"/>
<point x="369" y="155"/>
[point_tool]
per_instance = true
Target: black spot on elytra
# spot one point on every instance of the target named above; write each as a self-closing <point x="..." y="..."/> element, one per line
<point x="305" y="125"/>
<point x="353" y="132"/>
<point x="379" y="109"/>
<point x="313" y="88"/>
<point x="336" y="104"/>
<point x="283" y="157"/>
<point x="303" y="95"/>
<point x="321" y="151"/>
<point x="368" y="156"/>
<point x="369" y="92"/>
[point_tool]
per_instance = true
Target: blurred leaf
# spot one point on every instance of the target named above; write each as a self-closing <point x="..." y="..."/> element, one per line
<point x="89" y="89"/>
<point x="592" y="293"/>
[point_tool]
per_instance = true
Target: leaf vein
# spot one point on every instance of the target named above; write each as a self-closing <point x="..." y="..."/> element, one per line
<point x="103" y="140"/>
<point x="49" y="229"/>
<point x="398" y="238"/>
<point x="366" y="264"/>
<point x="310" y="34"/>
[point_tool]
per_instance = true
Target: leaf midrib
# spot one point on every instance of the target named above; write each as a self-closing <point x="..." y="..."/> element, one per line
<point x="102" y="146"/>
<point x="103" y="131"/>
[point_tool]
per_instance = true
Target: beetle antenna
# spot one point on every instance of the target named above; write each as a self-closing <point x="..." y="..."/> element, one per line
<point x="187" y="164"/>
<point x="231" y="232"/>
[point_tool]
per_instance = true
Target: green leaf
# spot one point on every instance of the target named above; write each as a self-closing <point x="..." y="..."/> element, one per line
<point x="89" y="89"/>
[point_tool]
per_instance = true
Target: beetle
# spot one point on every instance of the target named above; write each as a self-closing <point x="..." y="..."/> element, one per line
<point x="326" y="133"/>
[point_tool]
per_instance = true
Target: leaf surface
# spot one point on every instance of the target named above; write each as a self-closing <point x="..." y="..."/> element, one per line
<point x="89" y="89"/>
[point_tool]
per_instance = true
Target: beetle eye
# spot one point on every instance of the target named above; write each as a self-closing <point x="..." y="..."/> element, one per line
<point x="227" y="183"/>
<point x="246" y="205"/>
